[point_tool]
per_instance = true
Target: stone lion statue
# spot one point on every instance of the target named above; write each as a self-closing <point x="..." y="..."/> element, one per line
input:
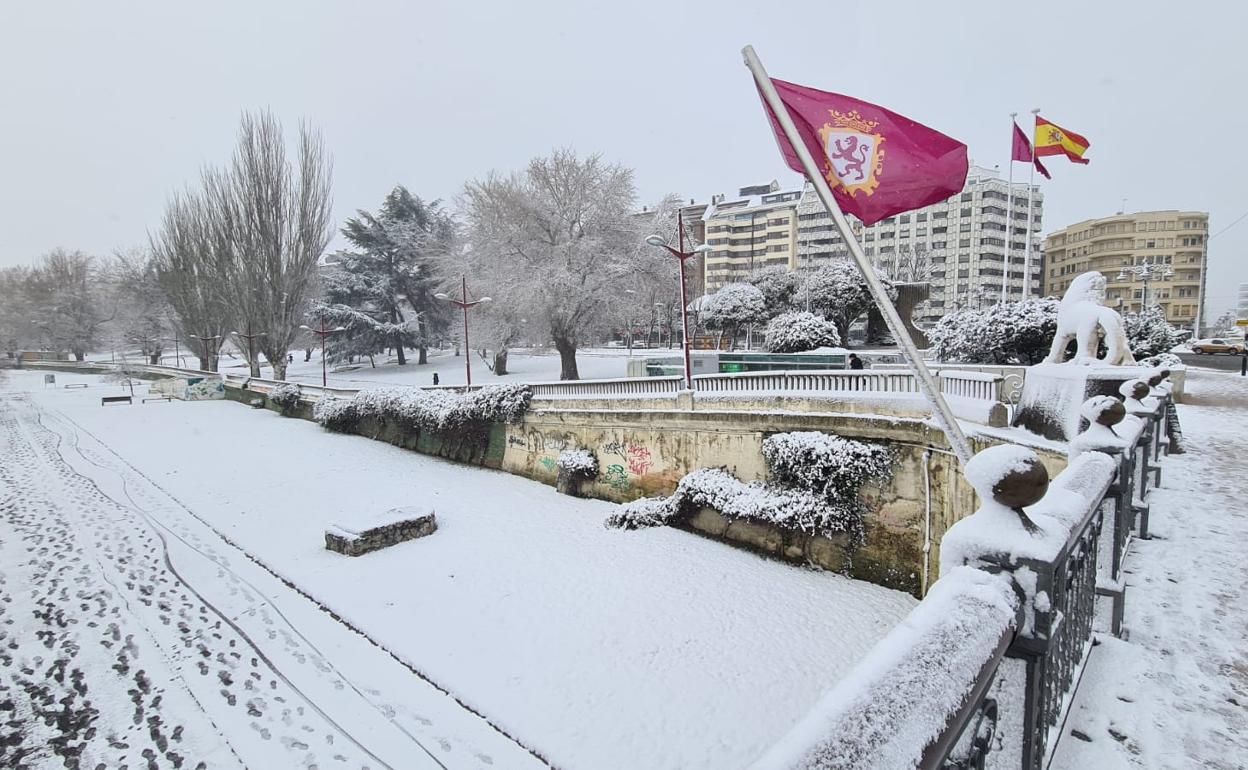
<point x="1078" y="317"/>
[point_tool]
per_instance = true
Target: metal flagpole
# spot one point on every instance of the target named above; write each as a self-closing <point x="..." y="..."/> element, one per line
<point x="1009" y="213"/>
<point x="944" y="415"/>
<point x="1031" y="182"/>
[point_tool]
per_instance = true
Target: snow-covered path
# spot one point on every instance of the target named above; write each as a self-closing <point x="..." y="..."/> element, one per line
<point x="134" y="636"/>
<point x="1175" y="694"/>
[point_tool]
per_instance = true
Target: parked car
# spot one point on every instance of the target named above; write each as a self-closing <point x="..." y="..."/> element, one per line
<point x="1218" y="345"/>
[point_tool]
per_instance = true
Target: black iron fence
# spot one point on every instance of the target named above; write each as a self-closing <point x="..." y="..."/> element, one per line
<point x="1012" y="698"/>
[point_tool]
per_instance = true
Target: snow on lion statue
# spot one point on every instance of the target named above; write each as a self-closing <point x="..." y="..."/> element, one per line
<point x="1078" y="317"/>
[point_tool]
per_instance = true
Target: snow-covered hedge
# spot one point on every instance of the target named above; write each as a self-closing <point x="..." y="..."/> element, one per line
<point x="1149" y="333"/>
<point x="1161" y="361"/>
<point x="832" y="466"/>
<point x="286" y="396"/>
<point x="799" y="331"/>
<point x="579" y="463"/>
<point x="815" y="486"/>
<point x="718" y="489"/>
<point x="1006" y="333"/>
<point x="437" y="411"/>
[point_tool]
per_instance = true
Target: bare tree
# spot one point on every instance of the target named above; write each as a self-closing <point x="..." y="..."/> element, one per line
<point x="143" y="311"/>
<point x="194" y="272"/>
<point x="275" y="220"/>
<point x="911" y="263"/>
<point x="243" y="251"/>
<point x="557" y="241"/>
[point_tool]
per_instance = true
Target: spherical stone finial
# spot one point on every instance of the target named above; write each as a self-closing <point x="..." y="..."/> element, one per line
<point x="1010" y="475"/>
<point x="1158" y="377"/>
<point x="1136" y="389"/>
<point x="1103" y="410"/>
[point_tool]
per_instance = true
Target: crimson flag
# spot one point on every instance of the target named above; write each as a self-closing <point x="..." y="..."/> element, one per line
<point x="877" y="162"/>
<point x="1022" y="151"/>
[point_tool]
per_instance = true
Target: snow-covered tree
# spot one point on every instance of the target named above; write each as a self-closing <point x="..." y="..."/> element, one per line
<point x="733" y="307"/>
<point x="143" y="310"/>
<point x="17" y="328"/>
<point x="1149" y="333"/>
<point x="839" y="292"/>
<point x="388" y="280"/>
<point x="557" y="240"/>
<point x="799" y="331"/>
<point x="67" y="302"/>
<point x="779" y="287"/>
<point x="1006" y="333"/>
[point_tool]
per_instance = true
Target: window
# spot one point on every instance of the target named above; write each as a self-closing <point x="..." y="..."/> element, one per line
<point x="920" y="217"/>
<point x="966" y="212"/>
<point x="777" y="222"/>
<point x="965" y="227"/>
<point x="940" y="215"/>
<point x="967" y="196"/>
<point x="904" y="218"/>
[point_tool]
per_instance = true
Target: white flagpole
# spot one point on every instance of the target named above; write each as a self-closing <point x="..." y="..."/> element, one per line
<point x="1031" y="182"/>
<point x="941" y="411"/>
<point x="1009" y="214"/>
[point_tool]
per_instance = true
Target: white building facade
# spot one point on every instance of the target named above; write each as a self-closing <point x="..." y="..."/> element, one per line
<point x="958" y="246"/>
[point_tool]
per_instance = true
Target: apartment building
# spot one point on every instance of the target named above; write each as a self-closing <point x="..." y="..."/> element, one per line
<point x="1122" y="247"/>
<point x="755" y="230"/>
<point x="959" y="246"/>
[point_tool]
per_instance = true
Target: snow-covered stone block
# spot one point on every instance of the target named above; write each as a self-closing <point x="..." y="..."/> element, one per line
<point x="394" y="526"/>
<point x="1053" y="394"/>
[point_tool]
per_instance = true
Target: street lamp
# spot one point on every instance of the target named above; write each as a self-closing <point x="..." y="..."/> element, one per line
<point x="177" y="351"/>
<point x="680" y="254"/>
<point x="204" y="340"/>
<point x="323" y="332"/>
<point x="251" y="343"/>
<point x="464" y="304"/>
<point x="1146" y="272"/>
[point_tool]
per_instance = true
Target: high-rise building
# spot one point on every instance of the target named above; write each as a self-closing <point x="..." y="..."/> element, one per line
<point x="1242" y="307"/>
<point x="958" y="246"/>
<point x="818" y="241"/>
<point x="1118" y="246"/>
<point x="755" y="230"/>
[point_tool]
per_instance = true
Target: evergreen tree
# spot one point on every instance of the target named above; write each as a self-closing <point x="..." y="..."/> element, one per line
<point x="382" y="292"/>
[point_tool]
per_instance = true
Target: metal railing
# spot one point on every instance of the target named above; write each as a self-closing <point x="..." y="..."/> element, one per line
<point x="1049" y="641"/>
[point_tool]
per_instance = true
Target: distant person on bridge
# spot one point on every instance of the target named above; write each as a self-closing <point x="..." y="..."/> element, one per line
<point x="855" y="362"/>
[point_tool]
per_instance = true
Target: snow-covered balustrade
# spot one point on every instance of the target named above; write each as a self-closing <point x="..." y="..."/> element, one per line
<point x="628" y="386"/>
<point x="1050" y="547"/>
<point x="831" y="381"/>
<point x="1020" y="581"/>
<point x="920" y="697"/>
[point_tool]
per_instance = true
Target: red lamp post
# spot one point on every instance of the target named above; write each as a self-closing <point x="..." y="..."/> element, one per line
<point x="681" y="255"/>
<point x="322" y="332"/>
<point x="464" y="304"/>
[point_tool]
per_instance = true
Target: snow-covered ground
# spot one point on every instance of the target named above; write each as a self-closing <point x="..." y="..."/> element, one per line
<point x="594" y="648"/>
<point x="1175" y="694"/>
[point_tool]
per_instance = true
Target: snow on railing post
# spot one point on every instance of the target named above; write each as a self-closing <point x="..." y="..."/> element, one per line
<point x="1047" y="541"/>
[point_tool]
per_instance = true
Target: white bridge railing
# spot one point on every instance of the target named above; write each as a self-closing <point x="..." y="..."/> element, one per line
<point x="969" y="385"/>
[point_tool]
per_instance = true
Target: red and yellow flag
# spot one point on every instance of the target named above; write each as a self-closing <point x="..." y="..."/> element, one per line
<point x="1052" y="139"/>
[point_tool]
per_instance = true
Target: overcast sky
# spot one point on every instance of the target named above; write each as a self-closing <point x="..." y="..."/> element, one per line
<point x="105" y="107"/>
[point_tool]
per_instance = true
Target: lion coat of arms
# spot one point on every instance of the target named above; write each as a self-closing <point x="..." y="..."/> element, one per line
<point x="852" y="146"/>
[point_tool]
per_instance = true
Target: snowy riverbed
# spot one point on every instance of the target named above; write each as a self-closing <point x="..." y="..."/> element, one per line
<point x="592" y="647"/>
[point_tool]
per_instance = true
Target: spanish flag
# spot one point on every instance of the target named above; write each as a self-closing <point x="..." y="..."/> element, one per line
<point x="1052" y="139"/>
